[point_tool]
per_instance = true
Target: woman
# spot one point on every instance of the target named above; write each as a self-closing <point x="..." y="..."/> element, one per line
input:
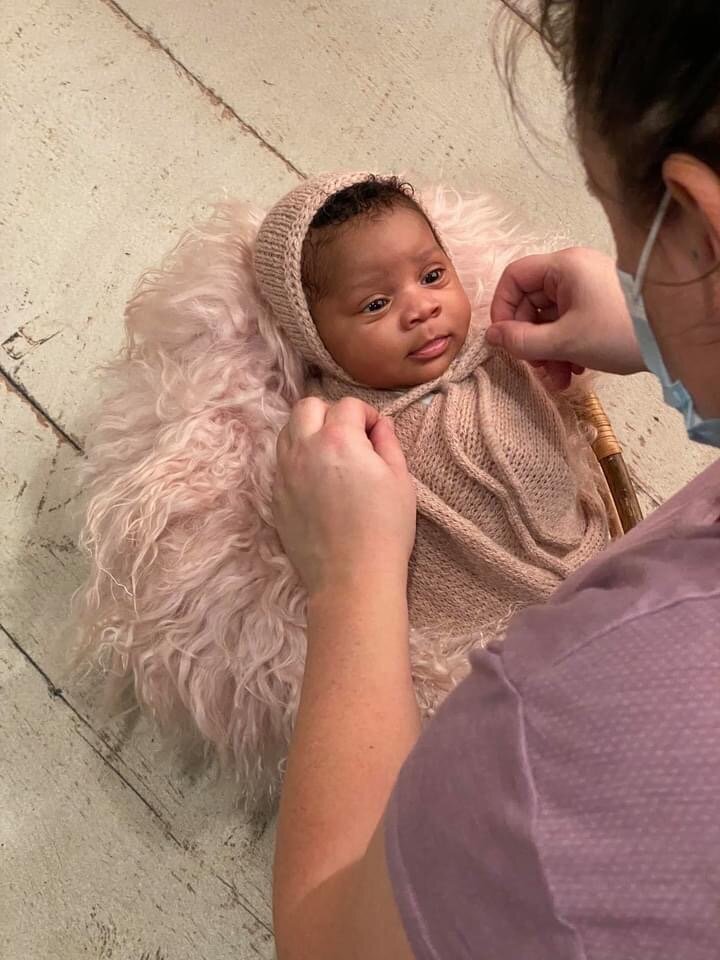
<point x="564" y="802"/>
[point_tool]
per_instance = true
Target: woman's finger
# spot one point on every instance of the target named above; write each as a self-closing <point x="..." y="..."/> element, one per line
<point x="547" y="314"/>
<point x="527" y="341"/>
<point x="522" y="281"/>
<point x="353" y="414"/>
<point x="526" y="312"/>
<point x="387" y="446"/>
<point x="307" y="418"/>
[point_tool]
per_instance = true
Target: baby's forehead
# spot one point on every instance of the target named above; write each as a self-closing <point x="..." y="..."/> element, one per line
<point x="381" y="244"/>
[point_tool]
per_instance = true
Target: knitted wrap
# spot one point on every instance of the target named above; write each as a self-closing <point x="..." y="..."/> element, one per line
<point x="505" y="509"/>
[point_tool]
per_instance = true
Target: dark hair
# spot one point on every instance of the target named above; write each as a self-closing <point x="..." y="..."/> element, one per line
<point x="369" y="198"/>
<point x="644" y="75"/>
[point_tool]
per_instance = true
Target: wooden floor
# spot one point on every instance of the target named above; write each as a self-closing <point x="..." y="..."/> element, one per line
<point x="119" y="120"/>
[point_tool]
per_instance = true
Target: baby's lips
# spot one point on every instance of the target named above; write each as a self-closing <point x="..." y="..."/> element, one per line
<point x="418" y="350"/>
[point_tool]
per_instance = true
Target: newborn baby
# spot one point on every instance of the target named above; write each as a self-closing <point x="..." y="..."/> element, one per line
<point x="509" y="496"/>
<point x="191" y="605"/>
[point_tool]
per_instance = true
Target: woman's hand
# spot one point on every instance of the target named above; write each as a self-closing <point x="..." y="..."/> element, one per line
<point x="344" y="500"/>
<point x="565" y="311"/>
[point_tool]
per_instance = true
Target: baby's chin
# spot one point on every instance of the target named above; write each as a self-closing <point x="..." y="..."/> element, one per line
<point x="428" y="373"/>
<point x="405" y="376"/>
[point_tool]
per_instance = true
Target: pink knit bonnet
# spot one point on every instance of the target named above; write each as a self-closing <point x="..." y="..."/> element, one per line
<point x="278" y="263"/>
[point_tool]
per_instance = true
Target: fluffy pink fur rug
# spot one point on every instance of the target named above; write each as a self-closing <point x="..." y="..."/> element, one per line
<point x="191" y="604"/>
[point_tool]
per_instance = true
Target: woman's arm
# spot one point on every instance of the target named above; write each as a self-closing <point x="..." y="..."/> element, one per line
<point x="346" y="510"/>
<point x="357" y="722"/>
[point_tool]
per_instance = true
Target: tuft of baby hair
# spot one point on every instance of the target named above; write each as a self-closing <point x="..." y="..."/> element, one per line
<point x="367" y="198"/>
<point x="191" y="607"/>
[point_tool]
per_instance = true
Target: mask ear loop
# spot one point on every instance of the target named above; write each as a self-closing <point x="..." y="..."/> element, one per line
<point x="650" y="243"/>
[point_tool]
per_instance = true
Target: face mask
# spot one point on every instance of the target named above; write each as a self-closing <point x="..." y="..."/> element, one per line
<point x="675" y="393"/>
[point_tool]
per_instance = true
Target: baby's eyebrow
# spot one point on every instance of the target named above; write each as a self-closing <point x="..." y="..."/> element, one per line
<point x="428" y="254"/>
<point x="368" y="280"/>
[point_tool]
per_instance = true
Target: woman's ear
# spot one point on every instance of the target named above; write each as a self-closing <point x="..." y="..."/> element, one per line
<point x="696" y="188"/>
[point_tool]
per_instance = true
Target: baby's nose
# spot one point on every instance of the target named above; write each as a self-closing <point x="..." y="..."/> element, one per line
<point x="423" y="308"/>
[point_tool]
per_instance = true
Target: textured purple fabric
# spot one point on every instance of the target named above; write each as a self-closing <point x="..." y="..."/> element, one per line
<point x="565" y="803"/>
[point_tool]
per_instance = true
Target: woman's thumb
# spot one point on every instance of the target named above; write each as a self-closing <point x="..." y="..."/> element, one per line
<point x="526" y="341"/>
<point x="386" y="444"/>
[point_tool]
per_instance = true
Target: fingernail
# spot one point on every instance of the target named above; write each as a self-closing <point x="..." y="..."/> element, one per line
<point x="493" y="336"/>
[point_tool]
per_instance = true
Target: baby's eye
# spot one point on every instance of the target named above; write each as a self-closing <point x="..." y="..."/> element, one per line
<point x="375" y="305"/>
<point x="432" y="276"/>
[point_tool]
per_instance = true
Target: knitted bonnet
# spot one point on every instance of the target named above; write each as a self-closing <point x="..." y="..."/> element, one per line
<point x="278" y="263"/>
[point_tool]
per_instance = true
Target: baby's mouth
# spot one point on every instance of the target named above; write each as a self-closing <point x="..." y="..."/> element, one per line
<point x="432" y="348"/>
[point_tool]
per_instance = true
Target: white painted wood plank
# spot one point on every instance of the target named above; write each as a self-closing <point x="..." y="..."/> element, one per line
<point x="390" y="85"/>
<point x="113" y="151"/>
<point x="37" y="551"/>
<point x="41" y="568"/>
<point x="86" y="868"/>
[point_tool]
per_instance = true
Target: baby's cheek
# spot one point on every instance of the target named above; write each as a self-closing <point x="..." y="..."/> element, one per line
<point x="464" y="308"/>
<point x="373" y="351"/>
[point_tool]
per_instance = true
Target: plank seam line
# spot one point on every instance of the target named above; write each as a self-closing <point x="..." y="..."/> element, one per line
<point x="57" y="694"/>
<point x="166" y="829"/>
<point x="207" y="91"/>
<point x="39" y="410"/>
<point x="238" y="897"/>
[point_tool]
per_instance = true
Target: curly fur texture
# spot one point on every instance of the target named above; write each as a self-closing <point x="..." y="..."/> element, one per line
<point x="191" y="605"/>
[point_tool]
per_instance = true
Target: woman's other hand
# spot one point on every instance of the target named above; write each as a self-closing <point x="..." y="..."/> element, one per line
<point x="344" y="500"/>
<point x="565" y="311"/>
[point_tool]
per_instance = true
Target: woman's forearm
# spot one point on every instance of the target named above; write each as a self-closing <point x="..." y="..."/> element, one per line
<point x="357" y="721"/>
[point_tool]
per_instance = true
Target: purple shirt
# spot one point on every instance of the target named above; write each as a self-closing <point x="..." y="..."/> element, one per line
<point x="565" y="802"/>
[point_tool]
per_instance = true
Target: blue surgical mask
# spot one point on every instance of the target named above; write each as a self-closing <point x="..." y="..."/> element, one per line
<point x="675" y="393"/>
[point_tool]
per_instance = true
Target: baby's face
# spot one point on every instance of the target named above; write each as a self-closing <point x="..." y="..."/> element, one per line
<point x="395" y="314"/>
